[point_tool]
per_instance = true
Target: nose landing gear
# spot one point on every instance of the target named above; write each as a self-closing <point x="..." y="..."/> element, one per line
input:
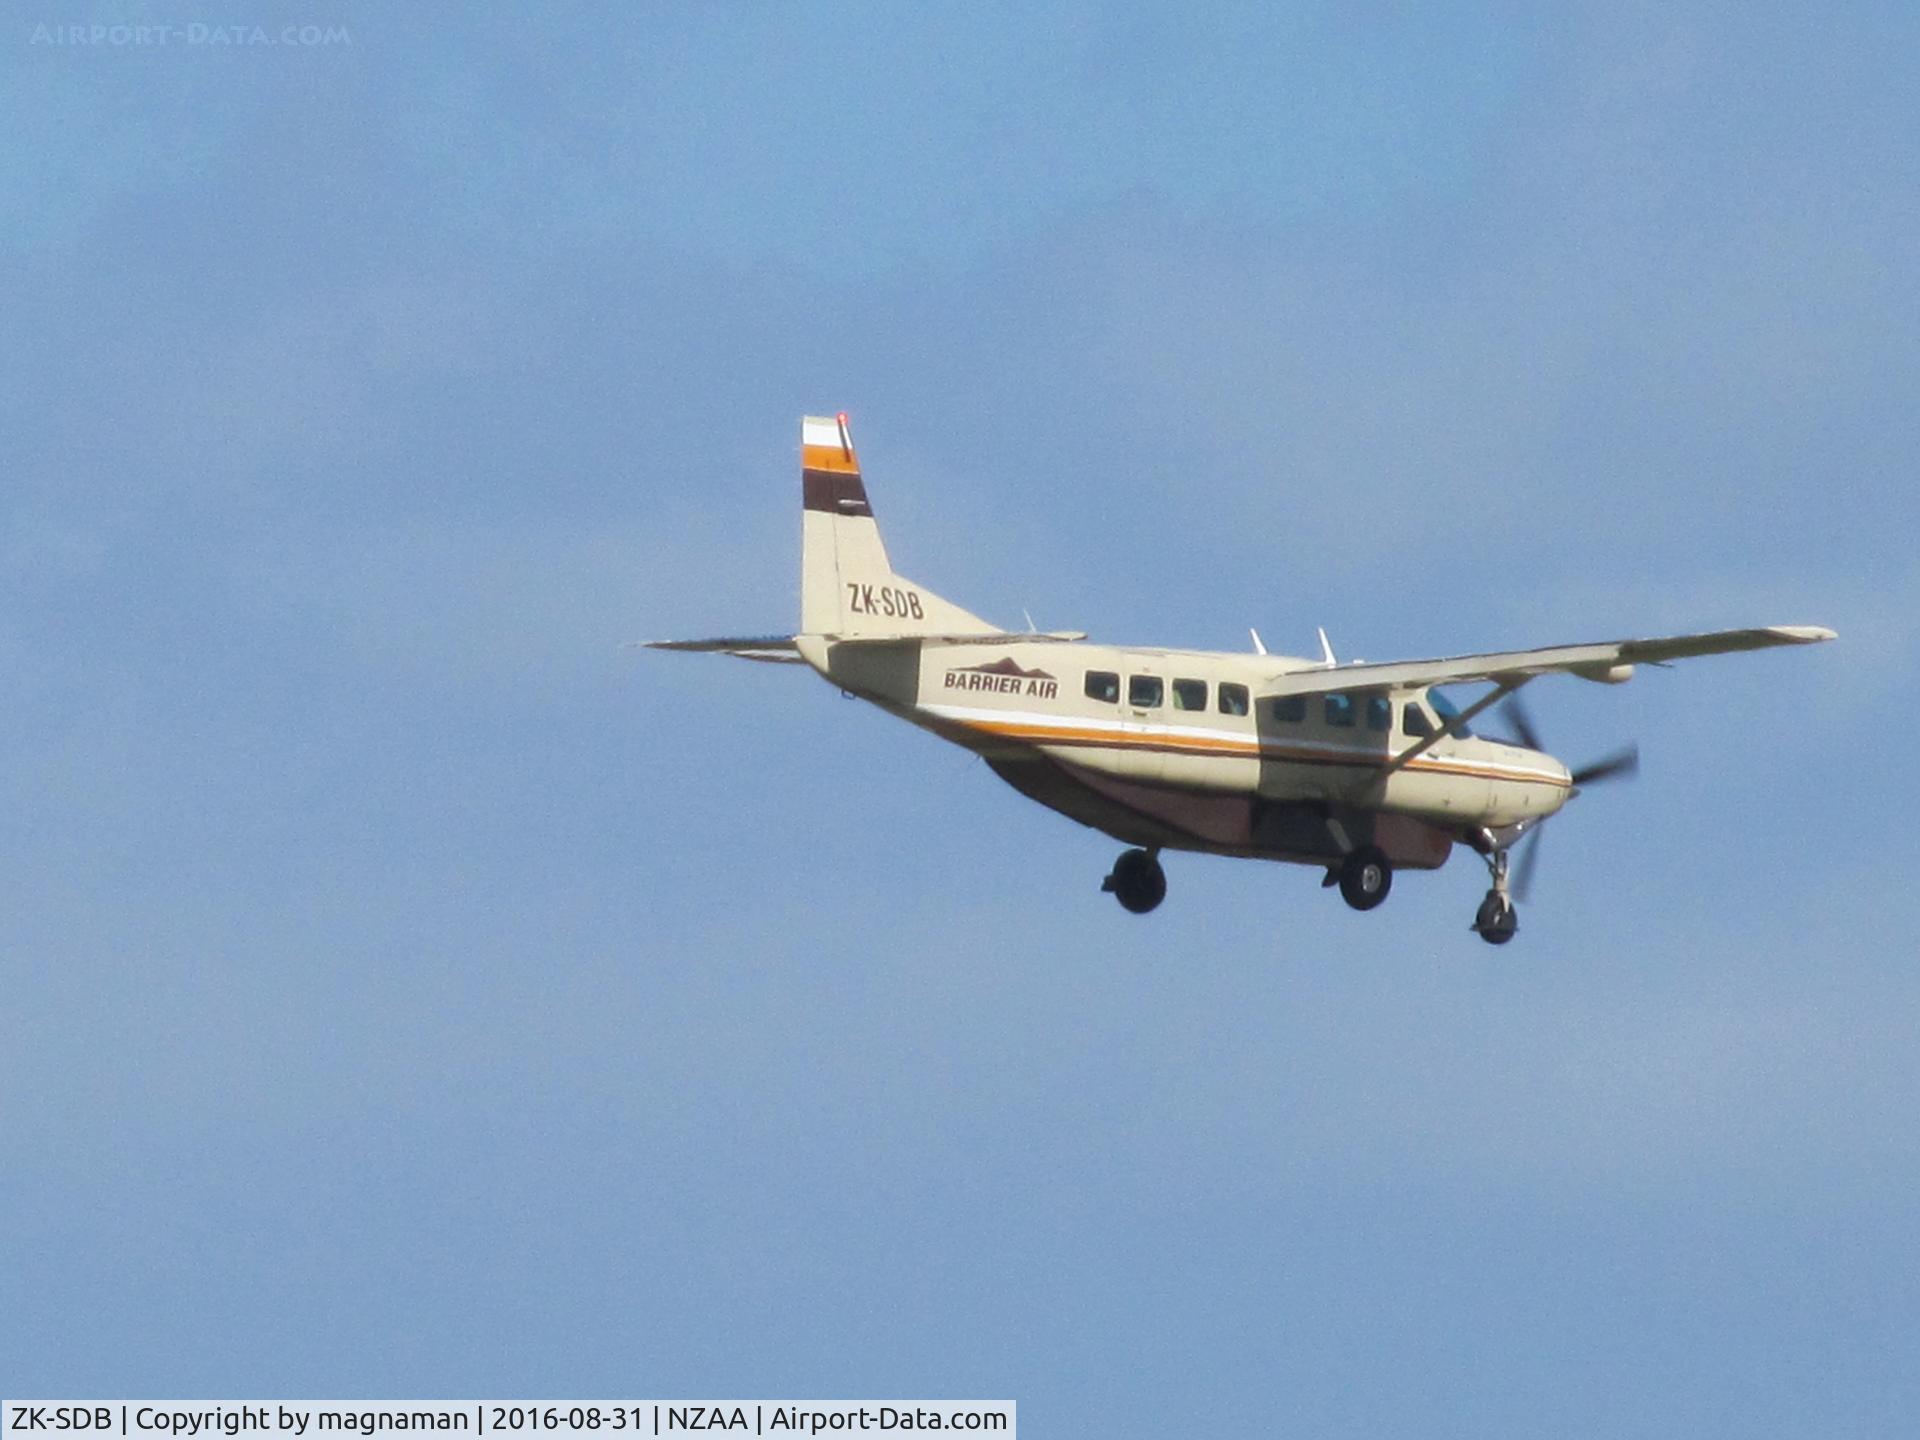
<point x="1496" y="921"/>
<point x="1137" y="881"/>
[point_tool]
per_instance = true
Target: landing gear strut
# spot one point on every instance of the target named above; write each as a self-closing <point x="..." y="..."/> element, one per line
<point x="1365" y="877"/>
<point x="1137" y="881"/>
<point x="1496" y="920"/>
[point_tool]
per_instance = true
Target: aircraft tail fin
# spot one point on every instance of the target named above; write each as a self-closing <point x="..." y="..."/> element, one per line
<point x="848" y="587"/>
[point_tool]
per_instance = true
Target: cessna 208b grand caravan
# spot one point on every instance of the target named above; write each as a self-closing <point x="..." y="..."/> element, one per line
<point x="1358" y="769"/>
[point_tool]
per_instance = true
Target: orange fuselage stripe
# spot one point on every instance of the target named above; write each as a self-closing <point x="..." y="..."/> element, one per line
<point x="1240" y="750"/>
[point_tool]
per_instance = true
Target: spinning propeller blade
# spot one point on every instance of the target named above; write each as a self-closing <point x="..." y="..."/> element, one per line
<point x="1516" y="714"/>
<point x="1618" y="765"/>
<point x="1622" y="762"/>
<point x="1529" y="856"/>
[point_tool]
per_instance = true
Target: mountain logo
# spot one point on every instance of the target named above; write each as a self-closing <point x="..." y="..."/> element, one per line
<point x="1003" y="677"/>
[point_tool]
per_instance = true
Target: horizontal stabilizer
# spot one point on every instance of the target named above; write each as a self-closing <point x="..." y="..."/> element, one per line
<point x="975" y="637"/>
<point x="770" y="649"/>
<point x="781" y="649"/>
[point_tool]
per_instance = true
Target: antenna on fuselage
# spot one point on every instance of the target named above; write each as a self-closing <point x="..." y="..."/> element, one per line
<point x="1258" y="647"/>
<point x="1326" y="649"/>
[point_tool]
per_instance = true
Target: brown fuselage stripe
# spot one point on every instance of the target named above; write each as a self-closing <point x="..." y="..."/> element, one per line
<point x="1241" y="750"/>
<point x="837" y="492"/>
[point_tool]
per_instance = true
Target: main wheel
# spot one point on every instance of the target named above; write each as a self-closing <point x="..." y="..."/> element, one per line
<point x="1496" y="921"/>
<point x="1137" y="881"/>
<point x="1365" y="878"/>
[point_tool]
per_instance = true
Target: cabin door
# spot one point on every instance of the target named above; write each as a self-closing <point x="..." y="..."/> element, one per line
<point x="1143" y="712"/>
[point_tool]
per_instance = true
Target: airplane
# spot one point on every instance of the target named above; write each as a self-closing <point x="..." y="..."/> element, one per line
<point x="1358" y="769"/>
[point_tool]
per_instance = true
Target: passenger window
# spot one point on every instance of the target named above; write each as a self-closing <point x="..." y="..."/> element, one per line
<point x="1339" y="711"/>
<point x="1379" y="713"/>
<point x="1103" y="685"/>
<point x="1290" y="709"/>
<point x="1233" y="699"/>
<point x="1144" y="691"/>
<point x="1414" y="721"/>
<point x="1189" y="694"/>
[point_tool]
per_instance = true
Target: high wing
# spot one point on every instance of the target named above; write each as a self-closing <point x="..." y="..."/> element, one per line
<point x="1607" y="660"/>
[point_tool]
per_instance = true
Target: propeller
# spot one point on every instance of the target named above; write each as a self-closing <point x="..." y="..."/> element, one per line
<point x="1621" y="763"/>
<point x="1618" y="765"/>
<point x="1529" y="855"/>
<point x="1516" y="715"/>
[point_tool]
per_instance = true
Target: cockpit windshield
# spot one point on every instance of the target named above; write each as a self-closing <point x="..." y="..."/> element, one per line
<point x="1448" y="711"/>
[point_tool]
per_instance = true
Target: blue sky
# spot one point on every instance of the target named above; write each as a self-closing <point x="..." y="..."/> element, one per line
<point x="408" y="993"/>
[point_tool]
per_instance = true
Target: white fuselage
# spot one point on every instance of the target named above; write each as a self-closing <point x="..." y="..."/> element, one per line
<point x="1206" y="748"/>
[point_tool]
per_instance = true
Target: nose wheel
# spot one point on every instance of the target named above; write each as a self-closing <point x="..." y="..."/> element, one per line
<point x="1497" y="921"/>
<point x="1137" y="881"/>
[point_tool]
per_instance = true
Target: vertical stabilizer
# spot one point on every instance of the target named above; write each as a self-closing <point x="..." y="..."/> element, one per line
<point x="848" y="586"/>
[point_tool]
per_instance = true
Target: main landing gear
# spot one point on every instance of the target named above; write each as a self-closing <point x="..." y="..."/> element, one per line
<point x="1496" y="920"/>
<point x="1137" y="881"/>
<point x="1364" y="877"/>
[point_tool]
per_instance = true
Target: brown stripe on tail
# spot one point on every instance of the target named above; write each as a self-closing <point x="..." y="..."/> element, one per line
<point x="837" y="492"/>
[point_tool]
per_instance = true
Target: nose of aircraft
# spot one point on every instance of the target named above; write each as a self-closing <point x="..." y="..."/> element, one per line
<point x="1564" y="783"/>
<point x="1545" y="786"/>
<point x="1563" y="789"/>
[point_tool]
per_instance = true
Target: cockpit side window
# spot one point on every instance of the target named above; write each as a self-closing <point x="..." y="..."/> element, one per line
<point x="1233" y="698"/>
<point x="1103" y="685"/>
<point x="1447" y="711"/>
<point x="1414" y="721"/>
